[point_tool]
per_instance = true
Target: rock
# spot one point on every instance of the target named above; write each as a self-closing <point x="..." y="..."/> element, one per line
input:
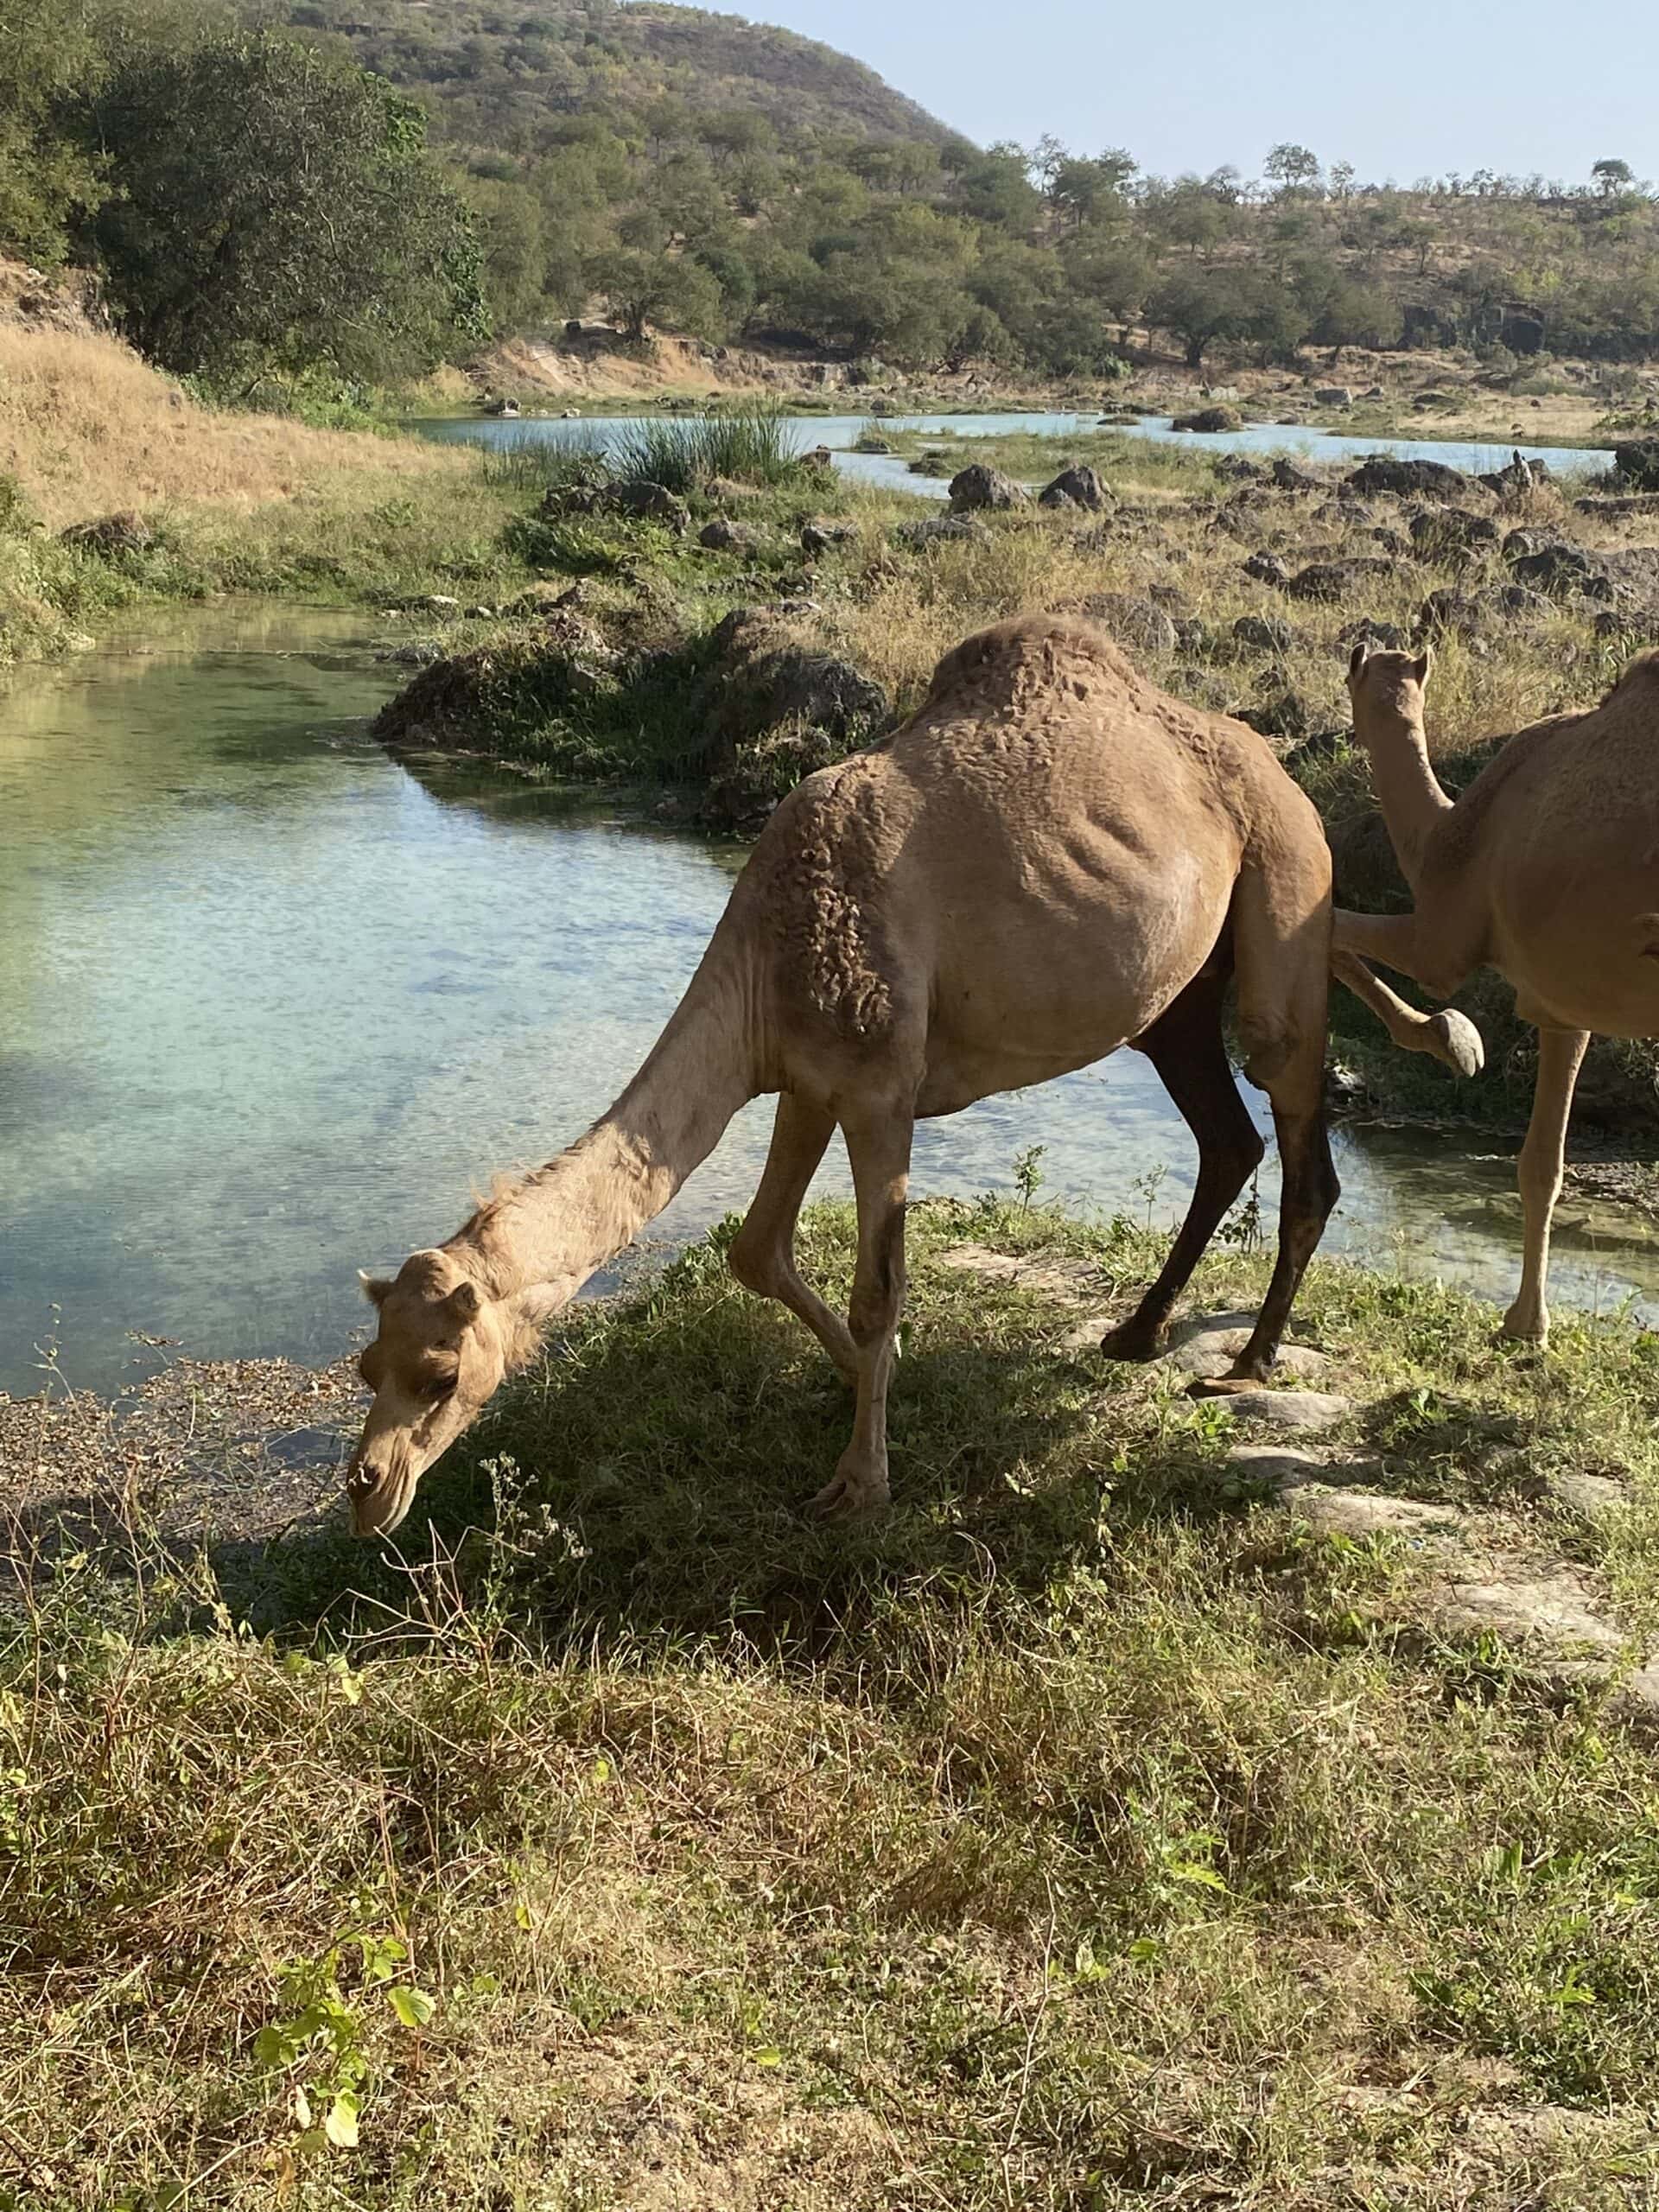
<point x="723" y="537"/>
<point x="1310" y="1410"/>
<point x="1636" y="464"/>
<point x="1329" y="580"/>
<point x="1207" y="1345"/>
<point x="1077" y="486"/>
<point x="1364" y="1513"/>
<point x="868" y="443"/>
<point x="1193" y="635"/>
<point x="1267" y="568"/>
<point x="645" y="501"/>
<point x="1210" y="420"/>
<point x="1278" y="1469"/>
<point x="1562" y="571"/>
<point x="1333" y="395"/>
<point x="1551" y="1606"/>
<point x="1590" y="1494"/>
<point x="431" y="603"/>
<point x="978" y="486"/>
<point x="111" y="535"/>
<point x="1239" y="468"/>
<point x="1386" y="472"/>
<point x="1444" y="533"/>
<point x="1268" y="633"/>
<point x="1369" y="631"/>
<point x="818" y="537"/>
<point x="542" y="599"/>
<point x="1287" y="476"/>
<point x="1286" y="714"/>
<point x="1126" y="618"/>
<point x="1519" y="544"/>
<point x="1451" y="614"/>
<point x="943" y="529"/>
<point x="423" y="653"/>
<point x="480" y="613"/>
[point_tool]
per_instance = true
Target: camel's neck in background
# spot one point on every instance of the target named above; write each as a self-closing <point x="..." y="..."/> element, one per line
<point x="1407" y="790"/>
<point x="540" y="1242"/>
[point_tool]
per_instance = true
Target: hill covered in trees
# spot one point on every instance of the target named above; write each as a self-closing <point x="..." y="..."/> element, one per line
<point x="498" y="75"/>
<point x="353" y="189"/>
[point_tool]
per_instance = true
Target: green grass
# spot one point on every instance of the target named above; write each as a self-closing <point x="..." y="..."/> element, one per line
<point x="1086" y="1834"/>
<point x="751" y="443"/>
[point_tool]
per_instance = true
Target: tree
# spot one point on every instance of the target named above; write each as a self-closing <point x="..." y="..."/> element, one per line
<point x="507" y="221"/>
<point x="1613" y="177"/>
<point x="1204" y="306"/>
<point x="641" y="287"/>
<point x="273" y="208"/>
<point x="47" y="53"/>
<point x="1292" y="168"/>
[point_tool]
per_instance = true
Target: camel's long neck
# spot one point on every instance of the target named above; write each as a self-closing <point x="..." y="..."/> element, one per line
<point x="537" y="1246"/>
<point x="1413" y="803"/>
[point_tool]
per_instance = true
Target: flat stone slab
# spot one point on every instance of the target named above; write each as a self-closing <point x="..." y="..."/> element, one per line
<point x="1306" y="1410"/>
<point x="1206" y="1346"/>
<point x="1551" y="1605"/>
<point x="1364" y="1513"/>
<point x="1591" y="1495"/>
<point x="1045" y="1271"/>
<point x="1289" y="1470"/>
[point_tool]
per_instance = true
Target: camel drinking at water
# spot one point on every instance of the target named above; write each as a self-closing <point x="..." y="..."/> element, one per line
<point x="1547" y="869"/>
<point x="1051" y="860"/>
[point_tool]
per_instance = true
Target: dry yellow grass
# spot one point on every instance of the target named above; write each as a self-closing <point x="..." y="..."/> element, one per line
<point x="87" y="428"/>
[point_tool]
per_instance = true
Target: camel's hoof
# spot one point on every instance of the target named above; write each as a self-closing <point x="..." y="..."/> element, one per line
<point x="1126" y="1341"/>
<point x="847" y="1499"/>
<point x="1461" y="1047"/>
<point x="1524" y="1328"/>
<point x="1227" y="1386"/>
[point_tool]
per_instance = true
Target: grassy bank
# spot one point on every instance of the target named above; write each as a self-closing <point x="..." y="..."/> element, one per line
<point x="223" y="501"/>
<point x="1100" y="1829"/>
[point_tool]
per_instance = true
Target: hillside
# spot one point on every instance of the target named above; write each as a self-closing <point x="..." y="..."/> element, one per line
<point x="500" y="76"/>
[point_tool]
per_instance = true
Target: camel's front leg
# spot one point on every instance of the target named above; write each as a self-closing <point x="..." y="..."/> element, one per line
<point x="878" y="1148"/>
<point x="1449" y="1038"/>
<point x="1543" y="1156"/>
<point x="762" y="1256"/>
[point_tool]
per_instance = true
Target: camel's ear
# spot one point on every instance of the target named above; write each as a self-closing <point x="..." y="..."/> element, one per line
<point x="376" y="1288"/>
<point x="1423" y="663"/>
<point x="463" y="1305"/>
<point x="1358" y="658"/>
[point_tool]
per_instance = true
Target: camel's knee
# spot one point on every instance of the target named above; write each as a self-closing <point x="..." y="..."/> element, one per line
<point x="757" y="1263"/>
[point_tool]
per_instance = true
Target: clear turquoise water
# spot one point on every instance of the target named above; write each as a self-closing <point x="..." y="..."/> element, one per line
<point x="273" y="1005"/>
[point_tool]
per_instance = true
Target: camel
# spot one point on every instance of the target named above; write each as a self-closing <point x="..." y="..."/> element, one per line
<point x="1547" y="869"/>
<point x="1052" y="859"/>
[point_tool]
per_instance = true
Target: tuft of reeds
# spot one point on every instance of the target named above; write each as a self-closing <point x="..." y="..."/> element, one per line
<point x="752" y="442"/>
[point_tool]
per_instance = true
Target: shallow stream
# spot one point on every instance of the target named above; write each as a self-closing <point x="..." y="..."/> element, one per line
<point x="273" y="1005"/>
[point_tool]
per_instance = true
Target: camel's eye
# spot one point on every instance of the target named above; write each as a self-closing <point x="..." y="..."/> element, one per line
<point x="442" y="1386"/>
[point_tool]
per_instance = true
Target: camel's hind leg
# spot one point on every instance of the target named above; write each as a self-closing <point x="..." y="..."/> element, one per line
<point x="1450" y="1037"/>
<point x="1186" y="1047"/>
<point x="1281" y="937"/>
<point x="878" y="1145"/>
<point x="1560" y="1054"/>
<point x="762" y="1256"/>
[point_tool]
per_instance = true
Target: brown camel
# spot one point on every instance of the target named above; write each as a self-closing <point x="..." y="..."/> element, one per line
<point x="1051" y="860"/>
<point x="1547" y="869"/>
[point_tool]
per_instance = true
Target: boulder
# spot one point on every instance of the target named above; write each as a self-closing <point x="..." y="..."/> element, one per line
<point x="935" y="529"/>
<point x="1077" y="486"/>
<point x="1287" y="476"/>
<point x="1636" y="464"/>
<point x="721" y="536"/>
<point x="1451" y="533"/>
<point x="817" y="536"/>
<point x="111" y="535"/>
<point x="978" y="486"/>
<point x="1333" y="395"/>
<point x="1267" y="568"/>
<point x="1210" y="420"/>
<point x="1369" y="632"/>
<point x="1387" y="472"/>
<point x="1268" y="633"/>
<point x="1128" y="619"/>
<point x="1239" y="468"/>
<point x="1329" y="580"/>
<point x="637" y="497"/>
<point x="1561" y="570"/>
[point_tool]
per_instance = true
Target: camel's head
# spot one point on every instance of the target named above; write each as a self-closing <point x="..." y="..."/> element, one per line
<point x="1388" y="686"/>
<point x="438" y="1357"/>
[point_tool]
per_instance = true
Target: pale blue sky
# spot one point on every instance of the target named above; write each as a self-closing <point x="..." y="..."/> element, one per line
<point x="1407" y="88"/>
